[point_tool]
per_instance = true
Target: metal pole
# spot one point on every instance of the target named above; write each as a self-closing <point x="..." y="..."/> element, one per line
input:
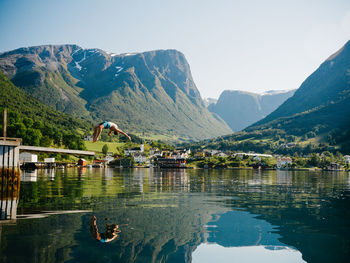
<point x="5" y="123"/>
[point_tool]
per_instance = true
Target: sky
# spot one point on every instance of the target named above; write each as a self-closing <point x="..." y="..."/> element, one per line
<point x="250" y="45"/>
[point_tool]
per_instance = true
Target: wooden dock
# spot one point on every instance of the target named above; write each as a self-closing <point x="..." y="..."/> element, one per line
<point x="11" y="147"/>
<point x="9" y="152"/>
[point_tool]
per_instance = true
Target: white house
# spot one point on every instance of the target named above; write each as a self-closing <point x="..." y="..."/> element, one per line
<point x="134" y="150"/>
<point x="257" y="158"/>
<point x="140" y="158"/>
<point x="26" y="157"/>
<point x="88" y="138"/>
<point x="221" y="154"/>
<point x="347" y="159"/>
<point x="284" y="162"/>
<point x="109" y="158"/>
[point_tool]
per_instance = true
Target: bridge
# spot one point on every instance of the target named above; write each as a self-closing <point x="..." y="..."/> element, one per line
<point x="10" y="148"/>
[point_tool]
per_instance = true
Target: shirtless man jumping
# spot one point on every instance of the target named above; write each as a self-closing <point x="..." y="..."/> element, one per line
<point x="107" y="125"/>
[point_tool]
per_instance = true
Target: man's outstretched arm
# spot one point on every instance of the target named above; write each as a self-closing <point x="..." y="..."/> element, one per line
<point x="120" y="131"/>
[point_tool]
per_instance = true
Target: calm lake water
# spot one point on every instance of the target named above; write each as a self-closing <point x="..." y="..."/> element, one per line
<point x="175" y="216"/>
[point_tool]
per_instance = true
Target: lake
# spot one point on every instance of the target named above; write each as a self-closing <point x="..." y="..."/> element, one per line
<point x="193" y="215"/>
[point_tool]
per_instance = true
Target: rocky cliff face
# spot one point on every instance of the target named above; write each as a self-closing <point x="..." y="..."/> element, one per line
<point x="151" y="92"/>
<point x="240" y="109"/>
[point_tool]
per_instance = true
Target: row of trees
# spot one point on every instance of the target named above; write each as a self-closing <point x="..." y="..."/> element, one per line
<point x="34" y="132"/>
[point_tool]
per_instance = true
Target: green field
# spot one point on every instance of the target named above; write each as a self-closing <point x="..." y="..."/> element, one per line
<point x="97" y="146"/>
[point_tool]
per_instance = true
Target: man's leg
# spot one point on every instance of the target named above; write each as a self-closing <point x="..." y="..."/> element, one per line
<point x="97" y="132"/>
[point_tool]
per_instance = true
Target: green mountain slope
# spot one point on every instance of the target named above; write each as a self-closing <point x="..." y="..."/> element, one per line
<point x="37" y="123"/>
<point x="145" y="93"/>
<point x="320" y="106"/>
<point x="316" y="116"/>
<point x="329" y="84"/>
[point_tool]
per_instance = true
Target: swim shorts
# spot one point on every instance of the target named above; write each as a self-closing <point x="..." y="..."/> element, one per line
<point x="106" y="124"/>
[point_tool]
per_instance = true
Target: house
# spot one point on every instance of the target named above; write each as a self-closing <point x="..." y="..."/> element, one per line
<point x="140" y="158"/>
<point x="98" y="163"/>
<point x="166" y="154"/>
<point x="134" y="150"/>
<point x="171" y="162"/>
<point x="347" y="159"/>
<point x="152" y="151"/>
<point x="157" y="153"/>
<point x="333" y="167"/>
<point x="257" y="158"/>
<point x="109" y="154"/>
<point x="88" y="138"/>
<point x="182" y="153"/>
<point x="109" y="158"/>
<point x="284" y="162"/>
<point x="82" y="162"/>
<point x="26" y="157"/>
<point x="221" y="154"/>
<point x="49" y="160"/>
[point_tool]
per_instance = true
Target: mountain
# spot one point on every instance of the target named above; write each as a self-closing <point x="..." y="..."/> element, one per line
<point x="315" y="117"/>
<point x="239" y="109"/>
<point x="37" y="123"/>
<point x="151" y="93"/>
<point x="320" y="105"/>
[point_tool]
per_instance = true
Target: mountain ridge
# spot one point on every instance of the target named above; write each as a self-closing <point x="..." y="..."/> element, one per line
<point x="151" y="92"/>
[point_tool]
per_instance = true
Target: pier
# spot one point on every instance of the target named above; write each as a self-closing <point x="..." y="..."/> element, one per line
<point x="11" y="147"/>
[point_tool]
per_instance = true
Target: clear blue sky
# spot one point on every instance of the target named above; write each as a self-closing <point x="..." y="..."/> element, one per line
<point x="246" y="45"/>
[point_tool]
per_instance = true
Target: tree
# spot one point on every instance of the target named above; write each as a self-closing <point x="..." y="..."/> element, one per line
<point x="105" y="149"/>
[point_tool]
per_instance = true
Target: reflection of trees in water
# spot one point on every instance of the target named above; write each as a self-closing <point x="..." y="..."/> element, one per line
<point x="48" y="239"/>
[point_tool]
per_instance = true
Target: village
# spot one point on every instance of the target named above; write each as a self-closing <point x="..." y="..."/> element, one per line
<point x="138" y="156"/>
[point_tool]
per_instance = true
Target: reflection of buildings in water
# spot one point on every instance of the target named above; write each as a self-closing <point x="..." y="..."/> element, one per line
<point x="108" y="174"/>
<point x="139" y="176"/>
<point x="29" y="175"/>
<point x="173" y="178"/>
<point x="160" y="179"/>
<point x="283" y="177"/>
<point x="50" y="173"/>
<point x="82" y="171"/>
<point x="9" y="193"/>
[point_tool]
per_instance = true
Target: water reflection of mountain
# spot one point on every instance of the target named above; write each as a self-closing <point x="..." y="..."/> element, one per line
<point x="310" y="210"/>
<point x="170" y="213"/>
<point x="239" y="228"/>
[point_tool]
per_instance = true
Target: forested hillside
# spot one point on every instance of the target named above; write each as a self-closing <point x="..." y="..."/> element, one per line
<point x="36" y="123"/>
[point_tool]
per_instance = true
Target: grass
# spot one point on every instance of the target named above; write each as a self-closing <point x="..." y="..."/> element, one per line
<point x="97" y="146"/>
<point x="161" y="137"/>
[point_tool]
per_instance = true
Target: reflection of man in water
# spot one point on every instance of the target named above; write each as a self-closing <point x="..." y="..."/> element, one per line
<point x="111" y="231"/>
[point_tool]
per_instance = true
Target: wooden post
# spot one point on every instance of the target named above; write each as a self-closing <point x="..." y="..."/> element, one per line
<point x="5" y="124"/>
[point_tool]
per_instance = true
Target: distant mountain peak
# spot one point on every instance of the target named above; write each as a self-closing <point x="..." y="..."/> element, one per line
<point x="241" y="108"/>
